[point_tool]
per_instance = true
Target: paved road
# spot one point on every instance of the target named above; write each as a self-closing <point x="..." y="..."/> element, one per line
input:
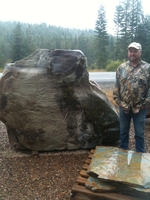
<point x="99" y="76"/>
<point x="102" y="77"/>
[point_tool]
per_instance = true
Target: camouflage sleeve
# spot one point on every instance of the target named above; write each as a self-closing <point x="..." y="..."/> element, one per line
<point x="147" y="100"/>
<point x="116" y="90"/>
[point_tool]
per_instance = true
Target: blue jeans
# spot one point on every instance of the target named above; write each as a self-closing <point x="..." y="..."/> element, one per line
<point x="139" y="127"/>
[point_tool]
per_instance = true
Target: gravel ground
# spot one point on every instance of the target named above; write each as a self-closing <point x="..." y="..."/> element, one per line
<point x="49" y="176"/>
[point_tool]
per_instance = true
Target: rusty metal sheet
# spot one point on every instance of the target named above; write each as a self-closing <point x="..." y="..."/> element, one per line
<point x="115" y="164"/>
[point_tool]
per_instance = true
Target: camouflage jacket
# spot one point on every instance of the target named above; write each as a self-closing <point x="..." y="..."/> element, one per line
<point x="132" y="87"/>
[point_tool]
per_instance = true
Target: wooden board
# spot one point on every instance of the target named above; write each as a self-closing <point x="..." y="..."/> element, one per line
<point x="80" y="192"/>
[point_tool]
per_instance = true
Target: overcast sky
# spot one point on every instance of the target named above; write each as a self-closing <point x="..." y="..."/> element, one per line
<point x="80" y="14"/>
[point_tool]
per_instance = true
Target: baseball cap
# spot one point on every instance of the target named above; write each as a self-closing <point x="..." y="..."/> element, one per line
<point x="135" y="45"/>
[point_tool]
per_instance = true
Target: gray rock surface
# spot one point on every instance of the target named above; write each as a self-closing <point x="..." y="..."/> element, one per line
<point x="48" y="103"/>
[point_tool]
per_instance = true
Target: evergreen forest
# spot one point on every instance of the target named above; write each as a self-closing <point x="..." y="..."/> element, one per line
<point x="103" y="50"/>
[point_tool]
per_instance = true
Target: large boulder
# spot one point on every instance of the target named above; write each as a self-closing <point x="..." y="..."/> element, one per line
<point x="48" y="103"/>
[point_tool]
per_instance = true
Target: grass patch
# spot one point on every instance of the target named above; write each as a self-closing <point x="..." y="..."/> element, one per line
<point x="96" y="70"/>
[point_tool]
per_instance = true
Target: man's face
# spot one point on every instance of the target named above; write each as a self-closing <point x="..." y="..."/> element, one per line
<point x="134" y="54"/>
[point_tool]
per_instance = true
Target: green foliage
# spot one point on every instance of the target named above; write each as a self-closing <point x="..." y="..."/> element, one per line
<point x="113" y="65"/>
<point x="101" y="39"/>
<point x="20" y="39"/>
<point x="17" y="43"/>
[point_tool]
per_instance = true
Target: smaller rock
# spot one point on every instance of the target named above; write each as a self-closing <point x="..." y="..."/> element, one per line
<point x="35" y="154"/>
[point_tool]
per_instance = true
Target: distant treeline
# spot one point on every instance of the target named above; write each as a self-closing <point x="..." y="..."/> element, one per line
<point x="103" y="50"/>
<point x="18" y="40"/>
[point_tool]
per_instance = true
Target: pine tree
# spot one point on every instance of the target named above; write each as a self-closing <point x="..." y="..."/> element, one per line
<point x="143" y="37"/>
<point x="136" y="17"/>
<point x="127" y="18"/>
<point x="2" y="57"/>
<point x="125" y="35"/>
<point x="17" y="43"/>
<point x="29" y="45"/>
<point x="118" y="18"/>
<point x="101" y="39"/>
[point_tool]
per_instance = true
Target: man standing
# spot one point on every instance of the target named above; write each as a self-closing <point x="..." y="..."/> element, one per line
<point x="132" y="94"/>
